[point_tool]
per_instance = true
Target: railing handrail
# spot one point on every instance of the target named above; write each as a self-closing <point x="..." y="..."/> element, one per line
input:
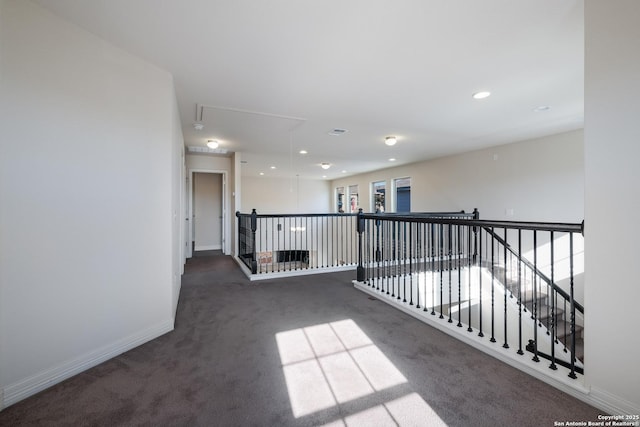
<point x="536" y="271"/>
<point x="522" y="225"/>
<point x="460" y="214"/>
<point x="300" y="215"/>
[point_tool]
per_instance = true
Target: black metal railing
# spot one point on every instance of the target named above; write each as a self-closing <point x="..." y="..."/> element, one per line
<point x="514" y="281"/>
<point x="247" y="226"/>
<point x="271" y="243"/>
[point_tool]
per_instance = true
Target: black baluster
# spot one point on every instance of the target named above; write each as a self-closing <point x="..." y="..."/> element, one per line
<point x="325" y="242"/>
<point x="419" y="260"/>
<point x="385" y="255"/>
<point x="320" y="233"/>
<point x="506" y="291"/>
<point x="480" y="334"/>
<point x="534" y="276"/>
<point x="458" y="251"/>
<point x="389" y="255"/>
<point x="553" y="306"/>
<point x="450" y="265"/>
<point x="433" y="270"/>
<point x="425" y="254"/>
<point x="339" y="240"/>
<point x="397" y="252"/>
<point x="410" y="263"/>
<point x="520" y="352"/>
<point x="382" y="274"/>
<point x="493" y="278"/>
<point x="469" y="263"/>
<point x="331" y="241"/>
<point x="441" y="256"/>
<point x="367" y="253"/>
<point x="296" y="252"/>
<point x="389" y="259"/>
<point x="378" y="253"/>
<point x="307" y="242"/>
<point x="405" y="262"/>
<point x="572" y="301"/>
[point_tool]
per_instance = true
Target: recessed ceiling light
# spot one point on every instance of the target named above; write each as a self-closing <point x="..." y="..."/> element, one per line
<point x="273" y="167"/>
<point x="212" y="143"/>
<point x="481" y="95"/>
<point x="325" y="165"/>
<point x="392" y="159"/>
<point x="541" y="108"/>
<point x="344" y="171"/>
<point x="261" y="173"/>
<point x="324" y="176"/>
<point x="303" y="151"/>
<point x="198" y="126"/>
<point x="390" y="140"/>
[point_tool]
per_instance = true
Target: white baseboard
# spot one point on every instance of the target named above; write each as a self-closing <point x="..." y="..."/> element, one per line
<point x="613" y="404"/>
<point x="24" y="388"/>
<point x="600" y="399"/>
<point x="292" y="273"/>
<point x="207" y="248"/>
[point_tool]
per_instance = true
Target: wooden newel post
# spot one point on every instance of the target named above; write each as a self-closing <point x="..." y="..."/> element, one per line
<point x="360" y="229"/>
<point x="476" y="216"/>
<point x="254" y="227"/>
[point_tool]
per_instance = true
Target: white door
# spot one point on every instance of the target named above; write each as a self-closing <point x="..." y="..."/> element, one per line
<point x="187" y="222"/>
<point x="207" y="211"/>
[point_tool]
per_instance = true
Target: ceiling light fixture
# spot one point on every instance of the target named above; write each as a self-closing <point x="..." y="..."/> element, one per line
<point x="212" y="143"/>
<point x="198" y="126"/>
<point x="390" y="140"/>
<point x="541" y="108"/>
<point x="481" y="95"/>
<point x="325" y="165"/>
<point x="392" y="159"/>
<point x="303" y="151"/>
<point x="273" y="167"/>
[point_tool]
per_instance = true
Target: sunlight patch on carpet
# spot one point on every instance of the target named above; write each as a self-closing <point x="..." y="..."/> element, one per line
<point x="333" y="363"/>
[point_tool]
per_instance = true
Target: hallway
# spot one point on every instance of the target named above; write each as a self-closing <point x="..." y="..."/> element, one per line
<point x="236" y="358"/>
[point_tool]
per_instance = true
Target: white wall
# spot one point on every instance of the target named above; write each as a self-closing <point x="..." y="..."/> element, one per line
<point x="209" y="163"/>
<point x="612" y="150"/>
<point x="540" y="180"/>
<point x="178" y="202"/>
<point x="207" y="206"/>
<point x="87" y="157"/>
<point x="285" y="195"/>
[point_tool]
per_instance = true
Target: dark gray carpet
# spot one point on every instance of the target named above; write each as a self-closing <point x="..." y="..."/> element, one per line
<point x="221" y="365"/>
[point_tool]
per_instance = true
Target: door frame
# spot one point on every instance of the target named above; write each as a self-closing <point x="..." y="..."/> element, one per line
<point x="225" y="211"/>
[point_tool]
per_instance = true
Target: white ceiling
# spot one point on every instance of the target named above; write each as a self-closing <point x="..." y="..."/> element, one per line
<point x="268" y="78"/>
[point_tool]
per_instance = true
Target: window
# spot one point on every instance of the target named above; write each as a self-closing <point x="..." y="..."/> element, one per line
<point x="378" y="190"/>
<point x="403" y="194"/>
<point x="354" y="203"/>
<point x="340" y="196"/>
